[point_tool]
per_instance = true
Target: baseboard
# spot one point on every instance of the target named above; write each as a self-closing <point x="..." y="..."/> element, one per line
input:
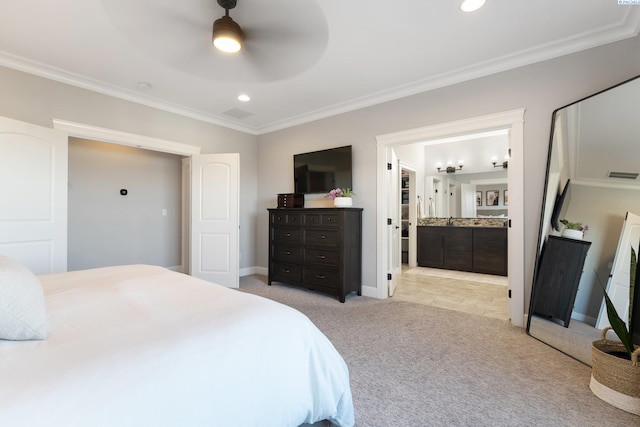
<point x="242" y="272"/>
<point x="253" y="270"/>
<point x="370" y="291"/>
<point x="581" y="317"/>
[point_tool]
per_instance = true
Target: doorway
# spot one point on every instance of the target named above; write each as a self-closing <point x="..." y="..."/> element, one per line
<point x="513" y="122"/>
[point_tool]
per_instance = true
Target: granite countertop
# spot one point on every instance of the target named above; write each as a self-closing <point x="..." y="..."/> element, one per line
<point x="463" y="222"/>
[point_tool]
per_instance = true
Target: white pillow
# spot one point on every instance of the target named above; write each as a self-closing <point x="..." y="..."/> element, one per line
<point x="22" y="309"/>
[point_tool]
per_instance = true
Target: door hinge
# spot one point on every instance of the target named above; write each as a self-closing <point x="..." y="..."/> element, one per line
<point x="389" y="166"/>
<point x="509" y="293"/>
<point x="388" y="276"/>
<point x="388" y="221"/>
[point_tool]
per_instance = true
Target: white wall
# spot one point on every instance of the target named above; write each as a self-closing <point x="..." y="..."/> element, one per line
<point x="540" y="88"/>
<point x="106" y="228"/>
<point x="37" y="100"/>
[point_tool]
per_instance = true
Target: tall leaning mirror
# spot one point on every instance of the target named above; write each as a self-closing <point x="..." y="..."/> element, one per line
<point x="592" y="178"/>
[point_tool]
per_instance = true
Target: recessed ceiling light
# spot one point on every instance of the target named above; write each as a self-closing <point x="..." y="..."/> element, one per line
<point x="471" y="5"/>
<point x="244" y="97"/>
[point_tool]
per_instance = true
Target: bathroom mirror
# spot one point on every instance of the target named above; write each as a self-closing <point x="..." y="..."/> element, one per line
<point x="592" y="177"/>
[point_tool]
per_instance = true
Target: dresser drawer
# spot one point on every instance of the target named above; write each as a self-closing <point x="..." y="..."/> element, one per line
<point x="286" y="235"/>
<point x="286" y="253"/>
<point x="285" y="218"/>
<point x="322" y="257"/>
<point x="282" y="272"/>
<point x="320" y="237"/>
<point x="320" y="277"/>
<point x="323" y="219"/>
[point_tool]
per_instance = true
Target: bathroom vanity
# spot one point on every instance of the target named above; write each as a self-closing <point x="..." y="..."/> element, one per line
<point x="462" y="244"/>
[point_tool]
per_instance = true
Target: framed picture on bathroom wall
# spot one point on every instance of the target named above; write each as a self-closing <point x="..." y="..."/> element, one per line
<point x="478" y="198"/>
<point x="505" y="199"/>
<point x="493" y="197"/>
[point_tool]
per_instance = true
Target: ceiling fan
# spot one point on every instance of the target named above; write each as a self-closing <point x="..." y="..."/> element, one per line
<point x="279" y="38"/>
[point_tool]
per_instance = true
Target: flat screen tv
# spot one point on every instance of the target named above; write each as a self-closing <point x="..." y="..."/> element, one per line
<point x="560" y="206"/>
<point x="322" y="171"/>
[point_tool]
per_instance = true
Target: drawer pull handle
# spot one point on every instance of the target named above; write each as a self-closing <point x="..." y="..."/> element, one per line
<point x="320" y="276"/>
<point x="323" y="237"/>
<point x="321" y="256"/>
<point x="287" y="252"/>
<point x="286" y="270"/>
<point x="288" y="234"/>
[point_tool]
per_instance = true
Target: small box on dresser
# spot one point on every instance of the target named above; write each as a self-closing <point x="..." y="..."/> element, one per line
<point x="317" y="248"/>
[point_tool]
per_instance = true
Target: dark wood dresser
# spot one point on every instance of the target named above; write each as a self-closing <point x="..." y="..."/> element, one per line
<point x="317" y="248"/>
<point x="556" y="285"/>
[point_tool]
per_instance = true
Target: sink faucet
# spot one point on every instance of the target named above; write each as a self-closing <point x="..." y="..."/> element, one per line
<point x="450" y="221"/>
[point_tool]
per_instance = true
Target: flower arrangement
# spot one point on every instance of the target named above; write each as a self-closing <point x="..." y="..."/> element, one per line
<point x="575" y="226"/>
<point x="340" y="192"/>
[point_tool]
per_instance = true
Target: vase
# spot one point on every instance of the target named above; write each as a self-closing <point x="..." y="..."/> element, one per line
<point x="572" y="234"/>
<point x="341" y="202"/>
<point x="616" y="380"/>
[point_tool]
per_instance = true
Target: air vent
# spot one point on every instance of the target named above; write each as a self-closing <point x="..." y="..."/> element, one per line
<point x="623" y="175"/>
<point x="238" y="113"/>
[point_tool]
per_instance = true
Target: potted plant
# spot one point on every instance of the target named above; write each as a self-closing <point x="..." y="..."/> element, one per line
<point x="615" y="371"/>
<point x="342" y="197"/>
<point x="574" y="230"/>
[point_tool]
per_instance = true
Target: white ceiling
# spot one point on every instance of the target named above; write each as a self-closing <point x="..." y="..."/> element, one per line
<point x="335" y="55"/>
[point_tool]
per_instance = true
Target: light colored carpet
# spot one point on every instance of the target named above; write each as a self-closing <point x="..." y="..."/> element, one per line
<point x="459" y="275"/>
<point x="415" y="365"/>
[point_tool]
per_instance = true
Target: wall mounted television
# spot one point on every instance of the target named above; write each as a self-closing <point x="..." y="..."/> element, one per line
<point x="322" y="171"/>
<point x="560" y="206"/>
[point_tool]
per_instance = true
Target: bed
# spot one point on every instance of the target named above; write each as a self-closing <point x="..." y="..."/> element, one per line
<point x="142" y="345"/>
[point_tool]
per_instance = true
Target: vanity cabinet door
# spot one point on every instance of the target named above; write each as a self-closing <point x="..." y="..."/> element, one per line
<point x="458" y="248"/>
<point x="490" y="250"/>
<point x="430" y="247"/>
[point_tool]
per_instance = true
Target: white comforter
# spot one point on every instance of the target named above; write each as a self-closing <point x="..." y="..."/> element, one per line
<point x="144" y="346"/>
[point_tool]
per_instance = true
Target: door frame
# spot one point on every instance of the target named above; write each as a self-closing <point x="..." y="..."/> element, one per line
<point x="413" y="215"/>
<point x="111" y="136"/>
<point x="513" y="121"/>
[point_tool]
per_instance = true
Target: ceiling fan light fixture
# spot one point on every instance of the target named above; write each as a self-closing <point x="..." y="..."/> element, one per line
<point x="227" y="35"/>
<point x="472" y="5"/>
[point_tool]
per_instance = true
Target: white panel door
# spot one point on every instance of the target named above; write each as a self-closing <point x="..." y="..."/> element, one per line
<point x="33" y="195"/>
<point x="468" y="201"/>
<point x="618" y="284"/>
<point x="215" y="218"/>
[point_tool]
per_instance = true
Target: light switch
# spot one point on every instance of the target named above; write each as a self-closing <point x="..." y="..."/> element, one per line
<point x="164" y="212"/>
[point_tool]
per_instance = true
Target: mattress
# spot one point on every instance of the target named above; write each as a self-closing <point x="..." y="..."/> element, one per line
<point x="144" y="346"/>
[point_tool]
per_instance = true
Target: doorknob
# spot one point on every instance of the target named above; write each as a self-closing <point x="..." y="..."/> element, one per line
<point x="397" y="226"/>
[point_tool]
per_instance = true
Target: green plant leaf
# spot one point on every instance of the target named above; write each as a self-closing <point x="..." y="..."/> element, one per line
<point x="618" y="325"/>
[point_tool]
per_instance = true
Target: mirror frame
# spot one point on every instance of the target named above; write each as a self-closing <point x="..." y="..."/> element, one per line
<point x="544" y="198"/>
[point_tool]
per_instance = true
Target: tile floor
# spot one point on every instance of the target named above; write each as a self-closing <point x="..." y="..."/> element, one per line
<point x="481" y="294"/>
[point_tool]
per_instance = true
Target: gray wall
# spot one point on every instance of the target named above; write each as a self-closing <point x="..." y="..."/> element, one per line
<point x="265" y="161"/>
<point x="37" y="100"/>
<point x="106" y="228"/>
<point x="603" y="210"/>
<point x="540" y="88"/>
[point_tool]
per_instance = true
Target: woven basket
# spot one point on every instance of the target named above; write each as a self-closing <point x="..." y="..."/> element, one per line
<point x="614" y="379"/>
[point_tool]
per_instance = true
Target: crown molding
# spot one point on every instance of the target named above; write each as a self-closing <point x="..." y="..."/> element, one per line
<point x="628" y="27"/>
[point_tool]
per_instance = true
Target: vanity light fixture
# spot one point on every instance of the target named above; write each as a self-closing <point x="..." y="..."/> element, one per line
<point x="450" y="168"/>
<point x="472" y="5"/>
<point x="505" y="164"/>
